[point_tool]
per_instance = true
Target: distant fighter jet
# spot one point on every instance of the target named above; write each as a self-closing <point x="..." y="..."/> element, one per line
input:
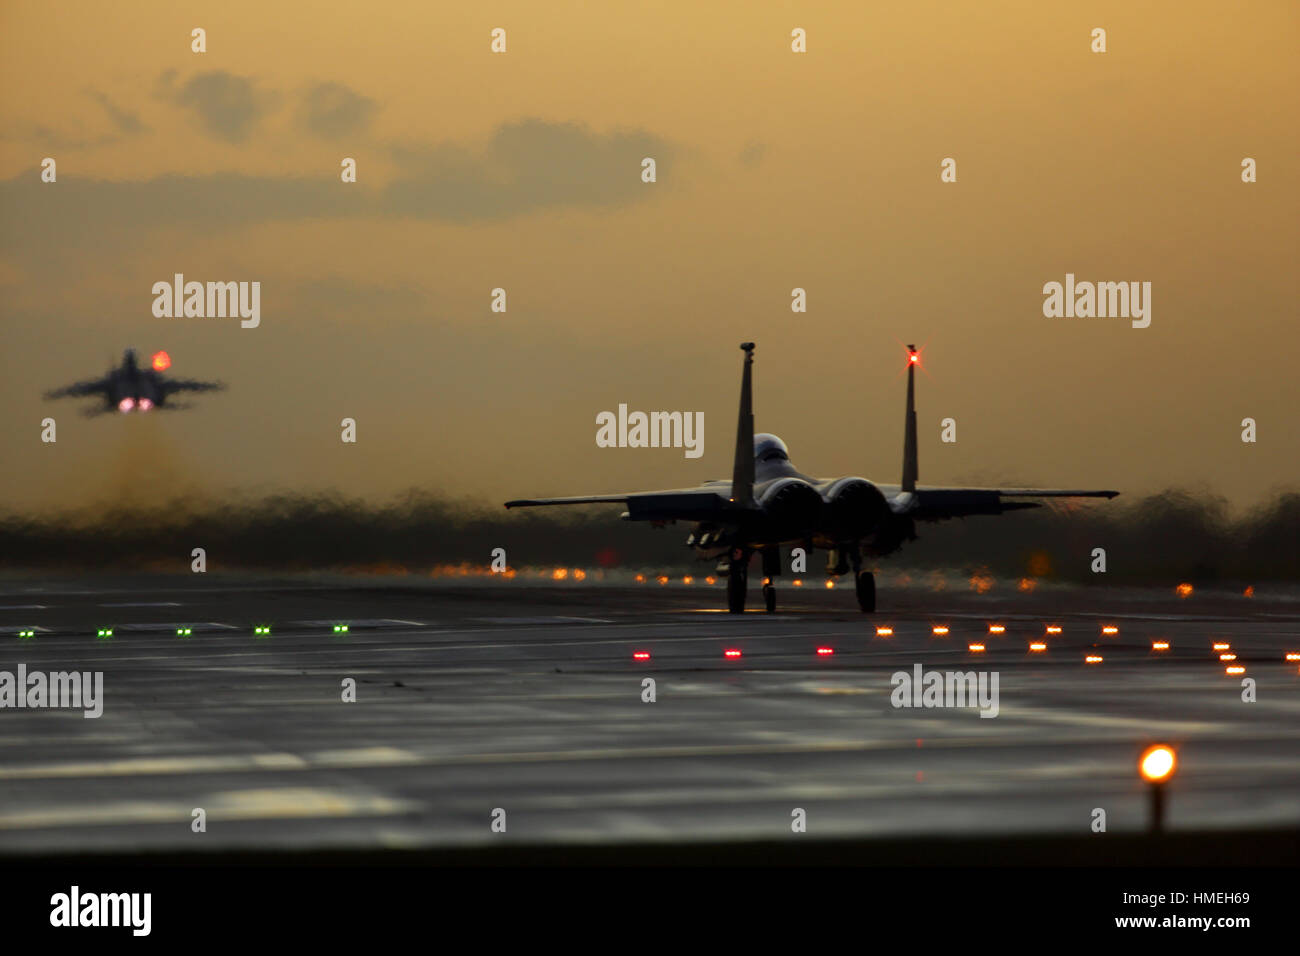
<point x="767" y="504"/>
<point x="129" y="388"/>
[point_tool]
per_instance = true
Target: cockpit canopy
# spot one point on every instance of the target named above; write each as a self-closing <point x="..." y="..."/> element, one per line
<point x="770" y="448"/>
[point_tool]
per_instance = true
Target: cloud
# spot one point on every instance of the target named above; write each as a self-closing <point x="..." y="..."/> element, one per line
<point x="752" y="154"/>
<point x="228" y="106"/>
<point x="332" y="110"/>
<point x="524" y="167"/>
<point x="127" y="122"/>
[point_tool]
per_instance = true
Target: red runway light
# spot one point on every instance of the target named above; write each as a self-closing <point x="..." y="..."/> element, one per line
<point x="641" y="655"/>
<point x="1235" y="669"/>
<point x="1293" y="656"/>
<point x="825" y="651"/>
<point x="731" y="652"/>
<point x="1227" y="657"/>
<point x="1222" y="646"/>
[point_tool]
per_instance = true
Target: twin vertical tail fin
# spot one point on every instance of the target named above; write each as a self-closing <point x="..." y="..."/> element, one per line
<point x="742" y="476"/>
<point x="909" y="423"/>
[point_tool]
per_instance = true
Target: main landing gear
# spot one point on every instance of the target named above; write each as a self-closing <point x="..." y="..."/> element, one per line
<point x="866" y="587"/>
<point x="864" y="583"/>
<point x="737" y="580"/>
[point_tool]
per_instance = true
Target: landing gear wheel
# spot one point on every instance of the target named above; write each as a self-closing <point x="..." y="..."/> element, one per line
<point x="866" y="586"/>
<point x="737" y="581"/>
<point x="769" y="598"/>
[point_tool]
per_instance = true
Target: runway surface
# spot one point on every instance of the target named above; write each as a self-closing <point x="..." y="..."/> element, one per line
<point x="524" y="697"/>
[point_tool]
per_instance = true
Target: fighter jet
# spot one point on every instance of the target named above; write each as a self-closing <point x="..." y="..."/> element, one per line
<point x="768" y="504"/>
<point x="129" y="388"/>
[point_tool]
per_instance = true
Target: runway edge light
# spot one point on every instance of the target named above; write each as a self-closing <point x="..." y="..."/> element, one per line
<point x="1156" y="766"/>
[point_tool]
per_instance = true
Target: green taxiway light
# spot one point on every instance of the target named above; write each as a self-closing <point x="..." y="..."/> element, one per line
<point x="104" y="632"/>
<point x="340" y="628"/>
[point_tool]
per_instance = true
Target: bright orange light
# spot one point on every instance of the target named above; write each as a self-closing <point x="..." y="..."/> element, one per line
<point x="1110" y="629"/>
<point x="1092" y="659"/>
<point x="1053" y="629"/>
<point x="1227" y="657"/>
<point x="1235" y="669"/>
<point x="663" y="579"/>
<point x="766" y="581"/>
<point x="1222" y="646"/>
<point x="1038" y="646"/>
<point x="975" y="648"/>
<point x="797" y="583"/>
<point x="1293" y="656"/>
<point x="161" y="361"/>
<point x="709" y="580"/>
<point x="640" y="579"/>
<point x="731" y="652"/>
<point x="997" y="629"/>
<point x="1184" y="590"/>
<point x="579" y="574"/>
<point x="939" y="630"/>
<point x="687" y="580"/>
<point x="825" y="651"/>
<point x="1157" y="763"/>
<point x="1159" y="645"/>
<point x="830" y="584"/>
<point x="1250" y="591"/>
<point x="884" y="632"/>
<point x="1026" y="584"/>
<point x="641" y="655"/>
<point x="559" y="574"/>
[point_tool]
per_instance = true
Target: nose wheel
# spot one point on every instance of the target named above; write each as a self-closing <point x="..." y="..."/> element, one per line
<point x="866" y="587"/>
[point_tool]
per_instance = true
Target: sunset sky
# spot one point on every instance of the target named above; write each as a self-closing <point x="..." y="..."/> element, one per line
<point x="776" y="170"/>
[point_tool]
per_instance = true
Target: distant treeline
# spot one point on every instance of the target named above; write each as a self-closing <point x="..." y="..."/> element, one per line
<point x="1174" y="535"/>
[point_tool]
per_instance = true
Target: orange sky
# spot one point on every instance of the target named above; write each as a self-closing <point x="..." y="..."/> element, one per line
<point x="776" y="170"/>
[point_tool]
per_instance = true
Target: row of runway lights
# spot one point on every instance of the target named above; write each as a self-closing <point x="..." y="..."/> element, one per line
<point x="1222" y="648"/>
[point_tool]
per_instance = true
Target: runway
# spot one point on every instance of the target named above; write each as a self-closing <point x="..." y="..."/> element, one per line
<point x="479" y="697"/>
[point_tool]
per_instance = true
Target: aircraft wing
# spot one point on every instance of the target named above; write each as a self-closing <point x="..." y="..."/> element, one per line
<point x="189" y="385"/>
<point x="939" y="504"/>
<point x="95" y="386"/>
<point x="687" y="504"/>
